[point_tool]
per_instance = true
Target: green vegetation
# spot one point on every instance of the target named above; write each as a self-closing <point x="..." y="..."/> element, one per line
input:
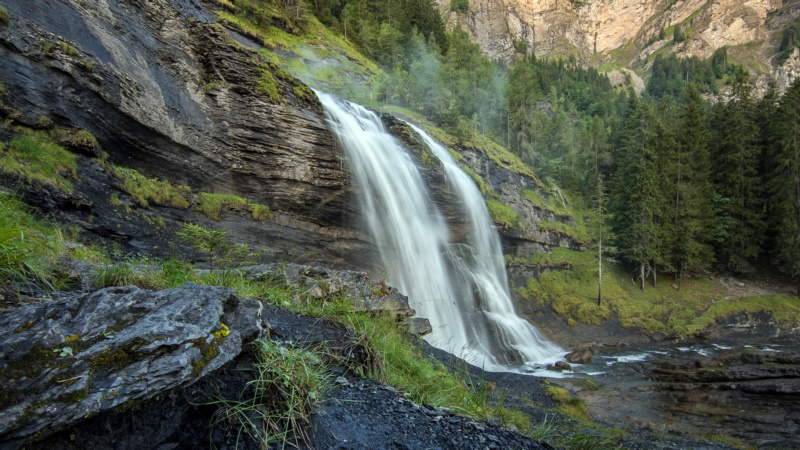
<point x="35" y="157"/>
<point x="146" y="190"/>
<point x="125" y="274"/>
<point x="28" y="248"/>
<point x="213" y="205"/>
<point x="211" y="242"/>
<point x="4" y="17"/>
<point x="502" y="214"/>
<point x="276" y="406"/>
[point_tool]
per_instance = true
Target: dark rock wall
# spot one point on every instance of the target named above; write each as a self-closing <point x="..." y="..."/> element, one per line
<point x="170" y="94"/>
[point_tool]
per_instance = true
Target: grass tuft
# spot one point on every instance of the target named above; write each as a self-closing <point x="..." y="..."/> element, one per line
<point x="276" y="406"/>
<point x="146" y="190"/>
<point x="36" y="158"/>
<point x="213" y="205"/>
<point x="28" y="248"/>
<point x="502" y="214"/>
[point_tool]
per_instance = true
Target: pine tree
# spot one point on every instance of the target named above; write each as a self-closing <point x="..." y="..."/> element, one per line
<point x="689" y="170"/>
<point x="737" y="158"/>
<point x="785" y="184"/>
<point x="636" y="190"/>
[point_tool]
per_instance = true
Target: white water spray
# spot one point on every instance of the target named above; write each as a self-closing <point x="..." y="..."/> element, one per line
<point x="460" y="287"/>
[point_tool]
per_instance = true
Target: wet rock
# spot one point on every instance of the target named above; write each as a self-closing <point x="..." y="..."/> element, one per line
<point x="559" y="366"/>
<point x="72" y="358"/>
<point x="583" y="356"/>
<point x="418" y="326"/>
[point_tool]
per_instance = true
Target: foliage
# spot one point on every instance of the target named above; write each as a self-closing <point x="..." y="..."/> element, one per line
<point x="35" y="157"/>
<point x="4" y="17"/>
<point x="276" y="406"/>
<point x="790" y="39"/>
<point x="28" y="248"/>
<point x="212" y="205"/>
<point x="126" y="274"/>
<point x="146" y="190"/>
<point x="213" y="243"/>
<point x="502" y="214"/>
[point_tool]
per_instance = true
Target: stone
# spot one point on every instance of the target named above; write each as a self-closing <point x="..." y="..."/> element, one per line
<point x="77" y="356"/>
<point x="583" y="356"/>
<point x="418" y="326"/>
<point x="561" y="365"/>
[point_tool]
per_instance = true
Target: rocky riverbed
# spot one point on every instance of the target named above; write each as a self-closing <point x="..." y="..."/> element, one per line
<point x="745" y="393"/>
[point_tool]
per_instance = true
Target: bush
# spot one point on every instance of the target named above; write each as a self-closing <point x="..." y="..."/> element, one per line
<point x="4" y="17"/>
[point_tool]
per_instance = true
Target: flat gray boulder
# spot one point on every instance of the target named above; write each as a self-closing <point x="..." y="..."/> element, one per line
<point x="67" y="359"/>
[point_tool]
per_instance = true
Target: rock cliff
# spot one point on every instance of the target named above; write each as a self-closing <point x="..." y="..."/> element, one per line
<point x="622" y="31"/>
<point x="169" y="93"/>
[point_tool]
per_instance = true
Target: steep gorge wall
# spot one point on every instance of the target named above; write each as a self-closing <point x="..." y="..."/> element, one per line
<point x="169" y="93"/>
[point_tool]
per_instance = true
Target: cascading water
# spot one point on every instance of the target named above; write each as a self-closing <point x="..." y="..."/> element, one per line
<point x="460" y="287"/>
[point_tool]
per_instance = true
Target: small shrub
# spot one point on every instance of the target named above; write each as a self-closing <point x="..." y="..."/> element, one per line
<point x="211" y="242"/>
<point x="5" y="19"/>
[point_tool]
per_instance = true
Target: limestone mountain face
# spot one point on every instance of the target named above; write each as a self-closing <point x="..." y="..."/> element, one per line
<point x="618" y="30"/>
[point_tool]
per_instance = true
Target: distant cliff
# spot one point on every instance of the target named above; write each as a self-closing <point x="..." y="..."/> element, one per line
<point x="626" y="32"/>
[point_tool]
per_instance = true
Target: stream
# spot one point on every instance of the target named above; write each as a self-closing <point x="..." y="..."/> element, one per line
<point x="734" y="388"/>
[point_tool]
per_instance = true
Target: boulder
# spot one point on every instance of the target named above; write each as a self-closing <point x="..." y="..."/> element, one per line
<point x="73" y="357"/>
<point x="418" y="326"/>
<point x="583" y="356"/>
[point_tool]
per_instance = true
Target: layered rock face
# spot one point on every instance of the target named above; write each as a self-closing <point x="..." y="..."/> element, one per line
<point x="585" y="28"/>
<point x="170" y="94"/>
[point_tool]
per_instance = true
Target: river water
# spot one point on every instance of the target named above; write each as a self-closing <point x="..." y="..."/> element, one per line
<point x="737" y="387"/>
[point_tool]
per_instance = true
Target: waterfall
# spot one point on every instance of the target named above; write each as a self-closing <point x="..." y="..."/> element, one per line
<point x="461" y="287"/>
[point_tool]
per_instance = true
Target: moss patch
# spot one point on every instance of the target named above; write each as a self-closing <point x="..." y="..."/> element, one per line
<point x="35" y="157"/>
<point x="213" y="205"/>
<point x="150" y="190"/>
<point x="502" y="214"/>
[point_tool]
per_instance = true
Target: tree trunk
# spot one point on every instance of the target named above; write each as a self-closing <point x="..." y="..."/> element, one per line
<point x="600" y="271"/>
<point x="654" y="274"/>
<point x="641" y="276"/>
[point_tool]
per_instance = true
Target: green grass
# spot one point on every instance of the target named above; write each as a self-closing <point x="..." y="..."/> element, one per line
<point x="213" y="206"/>
<point x="125" y="274"/>
<point x="785" y="310"/>
<point x="276" y="406"/>
<point x="35" y="157"/>
<point x="316" y="48"/>
<point x="146" y="190"/>
<point x="573" y="295"/>
<point x="502" y="214"/>
<point x="28" y="248"/>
